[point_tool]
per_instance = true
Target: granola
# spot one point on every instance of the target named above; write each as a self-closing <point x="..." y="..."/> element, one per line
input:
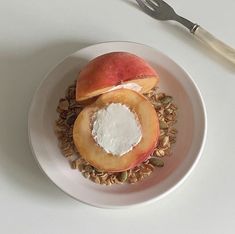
<point x="68" y="110"/>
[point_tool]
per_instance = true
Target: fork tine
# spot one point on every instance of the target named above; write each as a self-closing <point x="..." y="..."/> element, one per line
<point x="160" y="3"/>
<point x="144" y="6"/>
<point x="153" y="5"/>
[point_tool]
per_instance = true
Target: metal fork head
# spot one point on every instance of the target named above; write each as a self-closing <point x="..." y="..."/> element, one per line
<point x="158" y="9"/>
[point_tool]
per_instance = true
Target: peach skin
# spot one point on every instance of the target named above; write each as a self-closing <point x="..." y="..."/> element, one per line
<point x="107" y="71"/>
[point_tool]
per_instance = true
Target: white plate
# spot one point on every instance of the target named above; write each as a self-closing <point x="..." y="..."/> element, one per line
<point x="191" y="125"/>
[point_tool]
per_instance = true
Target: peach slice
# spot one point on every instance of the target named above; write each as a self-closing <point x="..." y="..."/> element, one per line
<point x="110" y="70"/>
<point x="96" y="155"/>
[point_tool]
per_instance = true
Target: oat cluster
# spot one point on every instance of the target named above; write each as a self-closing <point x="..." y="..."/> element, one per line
<point x="68" y="110"/>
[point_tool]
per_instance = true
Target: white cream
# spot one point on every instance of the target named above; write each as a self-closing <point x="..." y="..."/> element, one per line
<point x="132" y="86"/>
<point x="116" y="129"/>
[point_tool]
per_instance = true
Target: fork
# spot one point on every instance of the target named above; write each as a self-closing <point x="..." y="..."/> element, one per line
<point x="160" y="10"/>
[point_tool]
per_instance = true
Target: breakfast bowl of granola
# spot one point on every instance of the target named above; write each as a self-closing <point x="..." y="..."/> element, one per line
<point x="117" y="124"/>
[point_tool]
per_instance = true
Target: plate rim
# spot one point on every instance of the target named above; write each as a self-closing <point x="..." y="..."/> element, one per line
<point x="168" y="191"/>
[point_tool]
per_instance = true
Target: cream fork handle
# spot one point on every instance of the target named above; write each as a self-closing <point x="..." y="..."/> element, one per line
<point x="220" y="47"/>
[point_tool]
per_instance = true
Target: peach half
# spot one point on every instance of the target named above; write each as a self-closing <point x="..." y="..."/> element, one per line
<point x="110" y="70"/>
<point x="95" y="154"/>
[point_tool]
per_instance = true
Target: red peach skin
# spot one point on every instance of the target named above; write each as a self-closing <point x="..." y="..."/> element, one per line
<point x="109" y="70"/>
<point x="96" y="155"/>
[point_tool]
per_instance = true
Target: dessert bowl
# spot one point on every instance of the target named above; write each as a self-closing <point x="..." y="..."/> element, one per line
<point x="186" y="152"/>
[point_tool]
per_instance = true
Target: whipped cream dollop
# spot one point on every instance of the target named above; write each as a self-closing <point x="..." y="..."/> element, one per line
<point x="116" y="129"/>
<point x="132" y="86"/>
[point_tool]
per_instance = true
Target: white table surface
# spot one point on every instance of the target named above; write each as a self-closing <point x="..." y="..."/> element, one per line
<point x="34" y="36"/>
